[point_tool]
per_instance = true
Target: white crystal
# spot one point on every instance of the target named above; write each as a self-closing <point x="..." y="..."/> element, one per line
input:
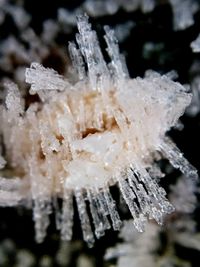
<point x="101" y="130"/>
<point x="85" y="223"/>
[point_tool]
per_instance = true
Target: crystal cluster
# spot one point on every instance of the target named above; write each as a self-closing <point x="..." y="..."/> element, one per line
<point x="82" y="137"/>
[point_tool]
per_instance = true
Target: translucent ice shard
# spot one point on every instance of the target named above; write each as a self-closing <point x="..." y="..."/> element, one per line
<point x="177" y="160"/>
<point x="85" y="223"/>
<point x="41" y="78"/>
<point x="67" y="217"/>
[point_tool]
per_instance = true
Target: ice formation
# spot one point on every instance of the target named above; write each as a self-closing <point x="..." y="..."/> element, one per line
<point x="102" y="129"/>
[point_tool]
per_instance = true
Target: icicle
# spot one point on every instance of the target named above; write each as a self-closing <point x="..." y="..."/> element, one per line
<point x="129" y="196"/>
<point x="85" y="222"/>
<point x="151" y="197"/>
<point x="67" y="216"/>
<point x="41" y="211"/>
<point x="118" y="66"/>
<point x="96" y="216"/>
<point x="57" y="211"/>
<point x="175" y="157"/>
<point x="116" y="222"/>
<point x="103" y="209"/>
<point x="89" y="47"/>
<point x="77" y="60"/>
<point x="139" y="191"/>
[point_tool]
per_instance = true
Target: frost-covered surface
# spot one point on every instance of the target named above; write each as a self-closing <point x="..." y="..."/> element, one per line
<point x="83" y="137"/>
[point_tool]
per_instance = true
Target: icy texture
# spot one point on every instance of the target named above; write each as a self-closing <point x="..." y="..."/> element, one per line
<point x="104" y="129"/>
<point x="85" y="222"/>
<point x="50" y="80"/>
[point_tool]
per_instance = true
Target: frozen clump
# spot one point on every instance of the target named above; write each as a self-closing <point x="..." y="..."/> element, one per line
<point x="80" y="138"/>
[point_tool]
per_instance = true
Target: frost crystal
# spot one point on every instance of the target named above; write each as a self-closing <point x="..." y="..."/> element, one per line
<point x="82" y="138"/>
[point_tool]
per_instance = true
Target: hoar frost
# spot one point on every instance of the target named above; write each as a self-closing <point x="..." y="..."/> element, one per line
<point x="83" y="137"/>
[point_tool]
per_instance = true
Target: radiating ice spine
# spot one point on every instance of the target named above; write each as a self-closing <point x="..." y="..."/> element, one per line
<point x="104" y="129"/>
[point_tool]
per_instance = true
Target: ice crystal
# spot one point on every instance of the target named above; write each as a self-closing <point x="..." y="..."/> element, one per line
<point x="81" y="138"/>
